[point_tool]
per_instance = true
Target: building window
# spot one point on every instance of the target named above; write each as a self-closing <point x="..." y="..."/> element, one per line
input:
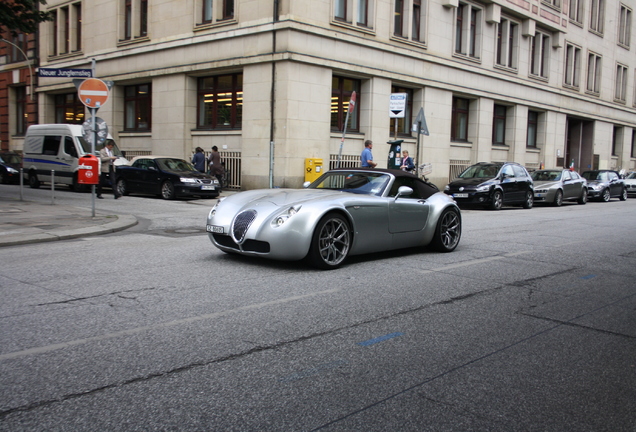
<point x="633" y="154"/>
<point x="554" y="3"/>
<point x="459" y="120"/>
<point x="14" y="55"/>
<point x="413" y="12"/>
<point x="354" y="12"/>
<point x="69" y="109"/>
<point x="65" y="36"/>
<point x="540" y="54"/>
<point x="20" y="110"/>
<point x="572" y="66"/>
<point x="341" y="91"/>
<point x="220" y="102"/>
<point x="597" y="15"/>
<point x="533" y="127"/>
<point x="507" y="43"/>
<point x="135" y="17"/>
<point x="207" y="12"/>
<point x="468" y="30"/>
<point x="216" y="11"/>
<point x="617" y="138"/>
<point x="403" y="124"/>
<point x="624" y="26"/>
<point x="620" y="90"/>
<point x="77" y="26"/>
<point x="593" y="73"/>
<point x="66" y="29"/>
<point x="576" y="11"/>
<point x="138" y="107"/>
<point x="499" y="125"/>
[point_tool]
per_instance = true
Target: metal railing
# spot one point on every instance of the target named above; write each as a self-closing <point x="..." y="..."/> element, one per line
<point x="231" y="161"/>
<point x="130" y="154"/>
<point x="456" y="167"/>
<point x="346" y="161"/>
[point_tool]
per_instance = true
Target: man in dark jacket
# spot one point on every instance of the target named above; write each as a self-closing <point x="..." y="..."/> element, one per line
<point x="215" y="166"/>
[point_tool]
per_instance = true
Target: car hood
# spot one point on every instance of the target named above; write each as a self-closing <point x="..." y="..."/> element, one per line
<point x="546" y="183"/>
<point x="471" y="182"/>
<point x="279" y="197"/>
<point x="15" y="166"/>
<point x="189" y="174"/>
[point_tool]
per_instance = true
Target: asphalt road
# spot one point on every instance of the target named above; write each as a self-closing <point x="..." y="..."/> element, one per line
<point x="530" y="325"/>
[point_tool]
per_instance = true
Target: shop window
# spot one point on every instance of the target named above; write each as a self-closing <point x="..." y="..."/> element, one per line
<point x="341" y="91"/>
<point x="69" y="109"/>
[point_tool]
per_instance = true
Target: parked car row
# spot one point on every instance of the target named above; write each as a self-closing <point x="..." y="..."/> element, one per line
<point x="495" y="184"/>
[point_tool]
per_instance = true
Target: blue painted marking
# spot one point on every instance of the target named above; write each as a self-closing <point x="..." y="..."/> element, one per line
<point x="588" y="277"/>
<point x="380" y="339"/>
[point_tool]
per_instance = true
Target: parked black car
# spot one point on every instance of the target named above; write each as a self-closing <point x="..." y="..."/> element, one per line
<point x="10" y="164"/>
<point x="604" y="185"/>
<point x="493" y="185"/>
<point x="165" y="176"/>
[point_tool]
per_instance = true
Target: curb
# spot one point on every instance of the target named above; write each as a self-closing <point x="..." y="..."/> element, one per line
<point x="123" y="222"/>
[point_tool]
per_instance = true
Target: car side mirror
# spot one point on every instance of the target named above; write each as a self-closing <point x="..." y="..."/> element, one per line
<point x="403" y="191"/>
<point x="152" y="168"/>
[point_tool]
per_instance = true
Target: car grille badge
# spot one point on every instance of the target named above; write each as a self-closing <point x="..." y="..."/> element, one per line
<point x="461" y="189"/>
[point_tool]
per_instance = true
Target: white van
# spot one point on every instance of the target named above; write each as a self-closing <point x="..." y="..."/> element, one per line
<point x="57" y="147"/>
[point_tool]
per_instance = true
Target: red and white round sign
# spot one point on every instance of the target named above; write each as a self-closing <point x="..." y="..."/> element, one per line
<point x="93" y="92"/>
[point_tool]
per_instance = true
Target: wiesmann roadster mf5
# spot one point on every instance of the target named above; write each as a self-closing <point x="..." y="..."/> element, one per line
<point x="344" y="212"/>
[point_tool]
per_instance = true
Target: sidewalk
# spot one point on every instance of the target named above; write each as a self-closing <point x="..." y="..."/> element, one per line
<point x="23" y="222"/>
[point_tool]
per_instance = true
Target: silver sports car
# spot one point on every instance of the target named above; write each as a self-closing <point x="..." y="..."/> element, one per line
<point x="344" y="212"/>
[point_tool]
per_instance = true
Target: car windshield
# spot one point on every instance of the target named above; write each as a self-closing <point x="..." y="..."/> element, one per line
<point x="595" y="175"/>
<point x="175" y="165"/>
<point x="547" y="175"/>
<point x="10" y="158"/>
<point x="480" y="171"/>
<point x="86" y="146"/>
<point x="371" y="183"/>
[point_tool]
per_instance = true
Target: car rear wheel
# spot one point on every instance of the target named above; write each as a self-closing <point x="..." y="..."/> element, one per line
<point x="167" y="190"/>
<point x="529" y="201"/>
<point x="558" y="199"/>
<point x="624" y="195"/>
<point x="606" y="195"/>
<point x="330" y="242"/>
<point x="122" y="187"/>
<point x="497" y="200"/>
<point x="34" y="183"/>
<point x="583" y="198"/>
<point x="448" y="231"/>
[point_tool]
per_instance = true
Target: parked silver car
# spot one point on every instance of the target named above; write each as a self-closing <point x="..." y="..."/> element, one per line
<point x="346" y="211"/>
<point x="630" y="183"/>
<point x="553" y="186"/>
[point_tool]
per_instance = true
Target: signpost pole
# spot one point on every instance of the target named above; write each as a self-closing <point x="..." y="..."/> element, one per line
<point x="352" y="104"/>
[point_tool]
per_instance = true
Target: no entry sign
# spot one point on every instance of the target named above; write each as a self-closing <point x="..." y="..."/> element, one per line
<point x="93" y="92"/>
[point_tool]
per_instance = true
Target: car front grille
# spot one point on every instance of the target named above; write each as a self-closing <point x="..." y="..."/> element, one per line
<point x="256" y="246"/>
<point x="241" y="224"/>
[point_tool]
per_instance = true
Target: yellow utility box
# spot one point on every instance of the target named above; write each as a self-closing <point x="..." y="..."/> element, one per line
<point x="313" y="169"/>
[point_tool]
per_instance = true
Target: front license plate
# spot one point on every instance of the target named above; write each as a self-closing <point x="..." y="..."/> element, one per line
<point x="207" y="187"/>
<point x="539" y="195"/>
<point x="460" y="195"/>
<point x="214" y="229"/>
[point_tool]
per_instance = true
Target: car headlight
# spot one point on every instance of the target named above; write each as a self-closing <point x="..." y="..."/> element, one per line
<point x="12" y="170"/>
<point x="541" y="191"/>
<point x="187" y="180"/>
<point x="215" y="181"/>
<point x="281" y="219"/>
<point x="216" y="206"/>
<point x="447" y="187"/>
<point x="483" y="188"/>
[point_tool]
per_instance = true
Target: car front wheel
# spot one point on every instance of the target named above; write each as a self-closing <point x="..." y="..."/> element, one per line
<point x="583" y="198"/>
<point x="529" y="201"/>
<point x="496" y="201"/>
<point x="167" y="190"/>
<point x="330" y="242"/>
<point x="448" y="231"/>
<point x="34" y="183"/>
<point x="122" y="187"/>
<point x="606" y="195"/>
<point x="558" y="199"/>
<point x="624" y="195"/>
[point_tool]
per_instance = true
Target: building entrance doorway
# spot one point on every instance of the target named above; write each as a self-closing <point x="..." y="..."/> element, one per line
<point x="579" y="145"/>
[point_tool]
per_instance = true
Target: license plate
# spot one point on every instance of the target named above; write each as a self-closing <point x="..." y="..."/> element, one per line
<point x="214" y="229"/>
<point x="460" y="195"/>
<point x="207" y="187"/>
<point x="539" y="195"/>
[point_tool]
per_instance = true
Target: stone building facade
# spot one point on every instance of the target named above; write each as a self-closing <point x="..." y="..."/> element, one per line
<point x="540" y="82"/>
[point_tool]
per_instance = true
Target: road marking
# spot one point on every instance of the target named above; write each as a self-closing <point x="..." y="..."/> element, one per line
<point x="473" y="262"/>
<point x="588" y="277"/>
<point x="380" y="339"/>
<point x="137" y="330"/>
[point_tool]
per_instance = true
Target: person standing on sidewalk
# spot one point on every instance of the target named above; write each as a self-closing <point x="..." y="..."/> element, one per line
<point x="198" y="160"/>
<point x="215" y="166"/>
<point x="366" y="158"/>
<point x="108" y="167"/>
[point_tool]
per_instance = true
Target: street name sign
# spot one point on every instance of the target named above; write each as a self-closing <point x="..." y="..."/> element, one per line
<point x="64" y="73"/>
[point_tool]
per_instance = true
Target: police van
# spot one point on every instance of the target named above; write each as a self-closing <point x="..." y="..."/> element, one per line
<point x="55" y="149"/>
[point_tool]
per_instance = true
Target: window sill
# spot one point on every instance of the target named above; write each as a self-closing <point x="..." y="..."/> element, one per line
<point x="350" y="26"/>
<point x="622" y="45"/>
<point x="466" y="144"/>
<point x="571" y="87"/>
<point x="597" y="33"/>
<point x="476" y="60"/>
<point x="620" y="101"/>
<point x="406" y="41"/>
<point x="533" y="149"/>
<point x="66" y="55"/>
<point x="500" y="146"/>
<point x="506" y="69"/>
<point x="538" y="78"/>
<point x="135" y="134"/>
<point x="216" y="24"/>
<point x="133" y="41"/>
<point x="591" y="93"/>
<point x="204" y="132"/>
